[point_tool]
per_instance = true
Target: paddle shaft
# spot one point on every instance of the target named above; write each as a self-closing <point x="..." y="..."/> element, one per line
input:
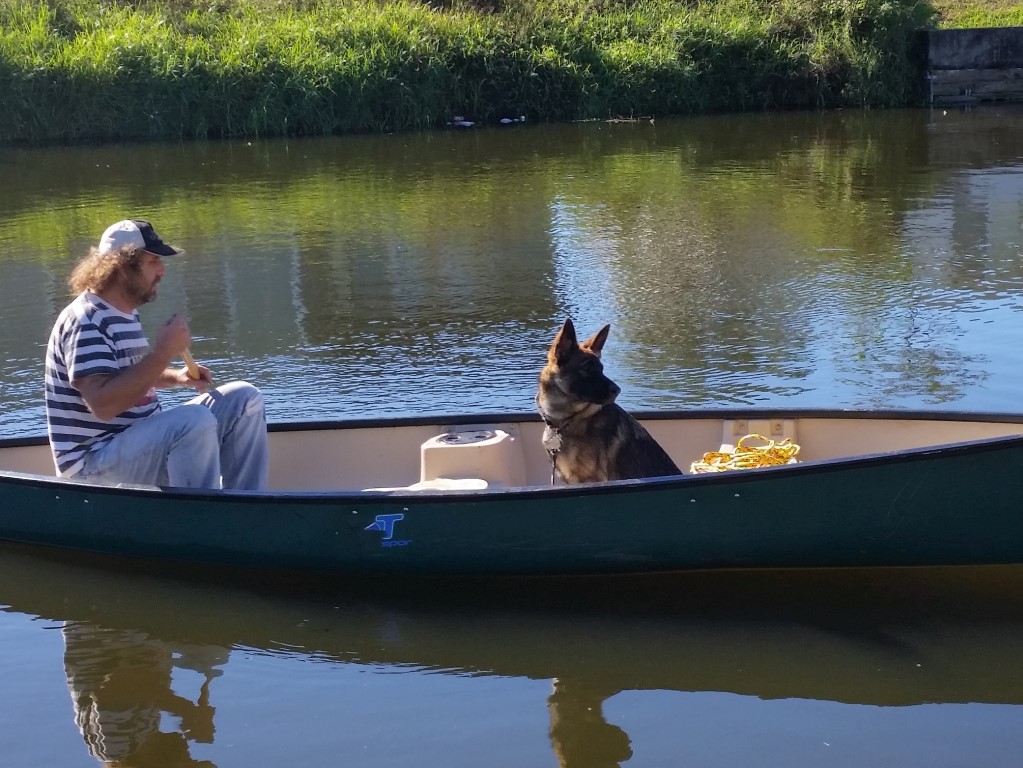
<point x="193" y="369"/>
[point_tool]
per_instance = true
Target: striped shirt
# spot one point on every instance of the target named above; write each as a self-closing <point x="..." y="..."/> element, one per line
<point x="90" y="337"/>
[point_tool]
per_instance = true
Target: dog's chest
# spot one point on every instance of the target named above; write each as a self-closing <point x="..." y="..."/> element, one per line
<point x="577" y="461"/>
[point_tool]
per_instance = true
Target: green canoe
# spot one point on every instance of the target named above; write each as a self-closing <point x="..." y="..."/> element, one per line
<point x="473" y="495"/>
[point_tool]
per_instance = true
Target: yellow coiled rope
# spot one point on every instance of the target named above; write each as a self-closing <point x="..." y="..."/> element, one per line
<point x="745" y="456"/>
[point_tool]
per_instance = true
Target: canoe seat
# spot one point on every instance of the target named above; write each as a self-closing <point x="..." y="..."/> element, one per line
<point x="450" y="484"/>
<point x="470" y="458"/>
<point x="441" y="484"/>
<point x="733" y="430"/>
<point x="492" y="453"/>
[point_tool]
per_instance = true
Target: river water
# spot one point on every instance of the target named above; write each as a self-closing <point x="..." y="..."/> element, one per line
<point x="839" y="260"/>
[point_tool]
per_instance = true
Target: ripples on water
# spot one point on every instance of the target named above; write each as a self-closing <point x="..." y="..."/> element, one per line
<point x="849" y="667"/>
<point x="803" y="260"/>
<point x="846" y="259"/>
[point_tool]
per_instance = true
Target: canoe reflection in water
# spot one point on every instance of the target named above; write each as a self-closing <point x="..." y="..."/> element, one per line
<point x="121" y="687"/>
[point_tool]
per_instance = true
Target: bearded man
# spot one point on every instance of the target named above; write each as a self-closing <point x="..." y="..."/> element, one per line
<point x="104" y="420"/>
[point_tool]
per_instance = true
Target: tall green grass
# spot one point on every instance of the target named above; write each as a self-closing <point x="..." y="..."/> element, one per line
<point x="72" y="70"/>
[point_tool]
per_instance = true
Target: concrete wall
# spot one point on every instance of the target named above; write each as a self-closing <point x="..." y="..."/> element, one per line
<point x="970" y="65"/>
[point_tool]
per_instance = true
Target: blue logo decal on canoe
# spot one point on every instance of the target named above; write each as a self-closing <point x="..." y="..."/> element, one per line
<point x="385" y="524"/>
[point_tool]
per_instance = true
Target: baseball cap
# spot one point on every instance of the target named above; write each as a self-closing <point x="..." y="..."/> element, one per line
<point x="138" y="234"/>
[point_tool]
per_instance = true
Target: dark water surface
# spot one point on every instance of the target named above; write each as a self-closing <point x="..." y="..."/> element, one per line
<point x="907" y="668"/>
<point x="836" y="260"/>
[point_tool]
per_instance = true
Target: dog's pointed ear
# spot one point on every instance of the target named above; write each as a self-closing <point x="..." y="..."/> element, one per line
<point x="596" y="342"/>
<point x="565" y="343"/>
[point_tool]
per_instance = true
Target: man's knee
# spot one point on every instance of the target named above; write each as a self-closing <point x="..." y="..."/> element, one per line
<point x="244" y="393"/>
<point x="241" y="401"/>
<point x="196" y="422"/>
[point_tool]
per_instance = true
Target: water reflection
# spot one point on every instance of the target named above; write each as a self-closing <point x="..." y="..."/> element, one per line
<point x="802" y="259"/>
<point x="122" y="684"/>
<point x="145" y="657"/>
<point x="843" y="259"/>
<point x="122" y="687"/>
<point x="580" y="735"/>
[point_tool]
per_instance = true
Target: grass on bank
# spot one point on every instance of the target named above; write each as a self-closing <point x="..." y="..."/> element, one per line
<point x="960" y="14"/>
<point x="73" y="70"/>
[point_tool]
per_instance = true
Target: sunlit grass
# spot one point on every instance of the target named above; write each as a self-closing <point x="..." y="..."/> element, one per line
<point x="956" y="14"/>
<point x="73" y="70"/>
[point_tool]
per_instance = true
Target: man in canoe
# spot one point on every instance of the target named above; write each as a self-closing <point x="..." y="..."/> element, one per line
<point x="103" y="417"/>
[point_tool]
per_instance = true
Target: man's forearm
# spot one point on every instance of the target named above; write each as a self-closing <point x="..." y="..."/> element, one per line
<point x="108" y="396"/>
<point x="169" y="378"/>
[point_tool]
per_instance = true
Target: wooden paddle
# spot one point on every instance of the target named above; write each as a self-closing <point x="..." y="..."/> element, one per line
<point x="193" y="369"/>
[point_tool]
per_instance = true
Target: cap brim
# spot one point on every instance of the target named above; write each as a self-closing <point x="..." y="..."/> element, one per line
<point x="164" y="250"/>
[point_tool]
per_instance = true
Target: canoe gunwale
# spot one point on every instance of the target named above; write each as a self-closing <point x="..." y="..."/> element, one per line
<point x="300" y="425"/>
<point x="617" y="487"/>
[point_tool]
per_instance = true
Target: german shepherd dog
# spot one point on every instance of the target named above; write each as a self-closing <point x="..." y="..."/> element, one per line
<point x="589" y="437"/>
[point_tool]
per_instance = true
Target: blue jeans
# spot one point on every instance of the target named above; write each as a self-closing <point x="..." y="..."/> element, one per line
<point x="219" y="434"/>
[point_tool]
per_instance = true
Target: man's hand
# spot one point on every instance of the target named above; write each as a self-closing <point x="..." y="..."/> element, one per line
<point x="181" y="378"/>
<point x="173" y="338"/>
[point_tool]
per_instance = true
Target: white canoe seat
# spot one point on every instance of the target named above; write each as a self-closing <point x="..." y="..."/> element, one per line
<point x="490" y="452"/>
<point x="733" y="430"/>
<point x="441" y="484"/>
<point x="450" y="484"/>
<point x="470" y="458"/>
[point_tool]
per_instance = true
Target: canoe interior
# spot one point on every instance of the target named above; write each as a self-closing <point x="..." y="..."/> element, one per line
<point x="500" y="451"/>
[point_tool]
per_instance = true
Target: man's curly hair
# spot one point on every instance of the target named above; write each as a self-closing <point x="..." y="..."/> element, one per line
<point x="98" y="271"/>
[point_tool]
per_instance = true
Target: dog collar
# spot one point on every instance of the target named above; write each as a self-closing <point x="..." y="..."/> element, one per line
<point x="551" y="438"/>
<point x="551" y="423"/>
<point x="552" y="442"/>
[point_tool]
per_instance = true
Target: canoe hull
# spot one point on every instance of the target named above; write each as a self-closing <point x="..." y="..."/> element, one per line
<point x="953" y="505"/>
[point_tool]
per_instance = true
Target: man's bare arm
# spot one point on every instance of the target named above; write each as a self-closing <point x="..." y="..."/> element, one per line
<point x="107" y="395"/>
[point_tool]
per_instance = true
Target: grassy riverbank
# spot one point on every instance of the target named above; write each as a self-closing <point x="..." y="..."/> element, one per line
<point x="958" y="14"/>
<point x="73" y="70"/>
